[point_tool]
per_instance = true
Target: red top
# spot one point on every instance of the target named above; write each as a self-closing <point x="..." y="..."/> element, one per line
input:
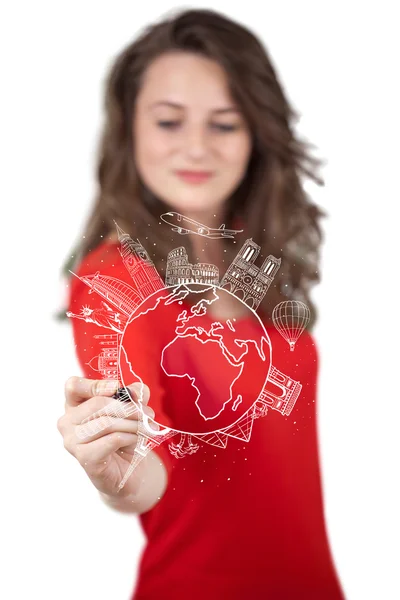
<point x="241" y="522"/>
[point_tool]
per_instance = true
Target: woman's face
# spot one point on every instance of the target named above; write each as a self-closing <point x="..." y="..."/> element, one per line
<point x="186" y="120"/>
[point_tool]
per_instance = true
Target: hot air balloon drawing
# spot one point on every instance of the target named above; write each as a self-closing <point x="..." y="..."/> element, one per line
<point x="290" y="319"/>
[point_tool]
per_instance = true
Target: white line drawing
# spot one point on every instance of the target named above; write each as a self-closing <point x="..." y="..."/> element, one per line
<point x="104" y="317"/>
<point x="248" y="282"/>
<point x="179" y="270"/>
<point x="280" y="392"/>
<point x="204" y="336"/>
<point x="146" y="443"/>
<point x="107" y="360"/>
<point x="290" y="318"/>
<point x="139" y="265"/>
<point x="185" y="225"/>
<point x="107" y="365"/>
<point x="100" y="420"/>
<point x="183" y="447"/>
<point x="121" y="295"/>
<point x="235" y="412"/>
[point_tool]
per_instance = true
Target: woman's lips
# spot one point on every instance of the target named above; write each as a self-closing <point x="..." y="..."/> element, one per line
<point x="194" y="176"/>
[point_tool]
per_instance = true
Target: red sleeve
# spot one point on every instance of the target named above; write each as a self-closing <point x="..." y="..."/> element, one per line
<point x="92" y="341"/>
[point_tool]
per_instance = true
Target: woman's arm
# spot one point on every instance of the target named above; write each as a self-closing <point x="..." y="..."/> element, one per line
<point x="88" y="339"/>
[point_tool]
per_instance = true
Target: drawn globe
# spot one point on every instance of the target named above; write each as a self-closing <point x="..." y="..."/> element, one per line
<point x="217" y="365"/>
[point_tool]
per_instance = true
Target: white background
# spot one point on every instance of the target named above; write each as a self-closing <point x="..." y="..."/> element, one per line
<point x="338" y="62"/>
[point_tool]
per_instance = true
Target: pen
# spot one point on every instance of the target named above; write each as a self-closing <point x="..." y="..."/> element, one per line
<point x="124" y="395"/>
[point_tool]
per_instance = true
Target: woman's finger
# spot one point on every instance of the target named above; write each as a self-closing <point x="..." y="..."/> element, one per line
<point x="80" y="389"/>
<point x="88" y="428"/>
<point x="141" y="392"/>
<point x="94" y="429"/>
<point x="92" y="456"/>
<point x="103" y="406"/>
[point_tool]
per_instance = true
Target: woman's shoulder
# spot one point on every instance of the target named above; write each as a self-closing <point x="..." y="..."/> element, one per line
<point x="103" y="256"/>
<point x="104" y="259"/>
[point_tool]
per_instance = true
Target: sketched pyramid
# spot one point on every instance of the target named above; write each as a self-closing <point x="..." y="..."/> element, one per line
<point x="241" y="430"/>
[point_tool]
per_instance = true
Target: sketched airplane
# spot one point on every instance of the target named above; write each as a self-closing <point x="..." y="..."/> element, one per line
<point x="184" y="225"/>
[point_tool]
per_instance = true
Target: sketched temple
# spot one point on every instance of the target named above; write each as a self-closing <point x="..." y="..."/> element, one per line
<point x="106" y="362"/>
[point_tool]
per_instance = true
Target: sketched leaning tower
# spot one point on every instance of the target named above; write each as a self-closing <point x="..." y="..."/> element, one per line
<point x="245" y="280"/>
<point x="139" y="265"/>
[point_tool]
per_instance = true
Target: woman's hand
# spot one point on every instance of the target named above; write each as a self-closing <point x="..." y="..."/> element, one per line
<point x="104" y="446"/>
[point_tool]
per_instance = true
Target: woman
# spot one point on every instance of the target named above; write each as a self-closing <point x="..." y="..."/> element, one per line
<point x="197" y="124"/>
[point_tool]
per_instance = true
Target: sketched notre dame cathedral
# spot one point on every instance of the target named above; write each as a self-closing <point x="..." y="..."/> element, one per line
<point x="247" y="281"/>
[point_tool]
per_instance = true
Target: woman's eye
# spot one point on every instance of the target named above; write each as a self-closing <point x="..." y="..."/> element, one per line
<point x="224" y="127"/>
<point x="168" y="124"/>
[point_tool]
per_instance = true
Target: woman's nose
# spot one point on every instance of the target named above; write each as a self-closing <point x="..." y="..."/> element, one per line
<point x="196" y="142"/>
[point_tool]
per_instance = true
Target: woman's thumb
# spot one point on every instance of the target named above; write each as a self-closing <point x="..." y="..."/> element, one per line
<point x="141" y="391"/>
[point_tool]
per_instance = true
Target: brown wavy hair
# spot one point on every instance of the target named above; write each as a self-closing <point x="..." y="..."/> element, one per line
<point x="270" y="202"/>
